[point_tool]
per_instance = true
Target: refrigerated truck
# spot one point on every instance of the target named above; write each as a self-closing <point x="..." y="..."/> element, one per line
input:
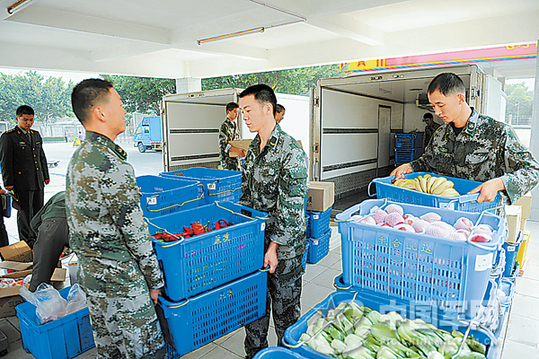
<point x="354" y="119"/>
<point x="191" y="123"/>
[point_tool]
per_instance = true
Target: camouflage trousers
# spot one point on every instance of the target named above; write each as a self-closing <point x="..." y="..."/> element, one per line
<point x="231" y="164"/>
<point x="123" y="316"/>
<point x="283" y="299"/>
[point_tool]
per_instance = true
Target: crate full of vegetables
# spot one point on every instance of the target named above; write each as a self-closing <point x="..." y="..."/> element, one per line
<point x="420" y="253"/>
<point x="204" y="247"/>
<point x="365" y="326"/>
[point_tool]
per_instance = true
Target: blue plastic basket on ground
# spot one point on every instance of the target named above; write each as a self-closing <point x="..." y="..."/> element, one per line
<point x="63" y="338"/>
<point x="219" y="185"/>
<point x="465" y="202"/>
<point x="383" y="305"/>
<point x="318" y="223"/>
<point x="161" y="196"/>
<point x="191" y="266"/>
<point x="409" y="140"/>
<point x="202" y="319"/>
<point x="511" y="252"/>
<point x="318" y="248"/>
<point x="407" y="155"/>
<point x="415" y="266"/>
<point x="277" y="353"/>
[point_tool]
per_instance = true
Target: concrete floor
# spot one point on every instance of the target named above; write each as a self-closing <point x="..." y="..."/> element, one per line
<point x="522" y="338"/>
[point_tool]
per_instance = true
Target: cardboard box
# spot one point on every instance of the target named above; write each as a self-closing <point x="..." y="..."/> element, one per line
<point x="513" y="215"/>
<point x="8" y="304"/>
<point x="321" y="196"/>
<point x="18" y="252"/>
<point x="243" y="144"/>
<point x="525" y="202"/>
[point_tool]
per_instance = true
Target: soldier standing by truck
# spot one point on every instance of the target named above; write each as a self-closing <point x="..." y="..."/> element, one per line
<point x="473" y="146"/>
<point x="274" y="181"/>
<point x="118" y="268"/>
<point x="229" y="132"/>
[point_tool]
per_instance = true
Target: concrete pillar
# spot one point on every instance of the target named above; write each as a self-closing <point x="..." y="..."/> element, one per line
<point x="534" y="139"/>
<point x="188" y="84"/>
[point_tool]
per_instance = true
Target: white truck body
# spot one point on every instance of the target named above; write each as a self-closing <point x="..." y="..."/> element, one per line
<point x="191" y="124"/>
<point x="354" y="119"/>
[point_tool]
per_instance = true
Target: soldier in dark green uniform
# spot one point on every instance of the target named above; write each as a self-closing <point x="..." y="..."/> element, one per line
<point x="275" y="181"/>
<point x="118" y="269"/>
<point x="24" y="169"/>
<point x="229" y="131"/>
<point x="473" y="146"/>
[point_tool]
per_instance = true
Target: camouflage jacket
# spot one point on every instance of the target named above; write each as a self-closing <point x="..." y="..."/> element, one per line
<point x="103" y="210"/>
<point x="275" y="181"/>
<point x="228" y="132"/>
<point x="485" y="149"/>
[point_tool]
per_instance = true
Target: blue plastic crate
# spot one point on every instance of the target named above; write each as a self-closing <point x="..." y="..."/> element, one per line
<point x="407" y="155"/>
<point x="464" y="202"/>
<point x="318" y="223"/>
<point x="305" y="254"/>
<point x="409" y="140"/>
<point x="213" y="314"/>
<point x="383" y="305"/>
<point x="277" y="353"/>
<point x="219" y="185"/>
<point x="63" y="338"/>
<point x="511" y="251"/>
<point x="416" y="266"/>
<point x="318" y="248"/>
<point x="206" y="261"/>
<point x="161" y="196"/>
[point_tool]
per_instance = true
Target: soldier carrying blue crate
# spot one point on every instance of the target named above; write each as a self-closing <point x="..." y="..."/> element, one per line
<point x="118" y="269"/>
<point x="474" y="147"/>
<point x="275" y="181"/>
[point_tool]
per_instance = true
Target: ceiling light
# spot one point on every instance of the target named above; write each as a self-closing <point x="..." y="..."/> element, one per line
<point x="16" y="6"/>
<point x="233" y="34"/>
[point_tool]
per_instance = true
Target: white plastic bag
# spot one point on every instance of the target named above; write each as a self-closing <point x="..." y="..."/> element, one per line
<point x="49" y="303"/>
<point x="76" y="299"/>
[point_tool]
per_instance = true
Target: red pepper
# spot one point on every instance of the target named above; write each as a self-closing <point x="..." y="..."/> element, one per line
<point x="189" y="231"/>
<point x="198" y="228"/>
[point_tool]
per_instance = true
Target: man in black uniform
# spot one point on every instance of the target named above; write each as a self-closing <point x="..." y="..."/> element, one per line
<point x="24" y="169"/>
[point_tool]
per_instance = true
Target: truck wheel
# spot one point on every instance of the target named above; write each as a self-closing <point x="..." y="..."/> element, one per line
<point x="141" y="148"/>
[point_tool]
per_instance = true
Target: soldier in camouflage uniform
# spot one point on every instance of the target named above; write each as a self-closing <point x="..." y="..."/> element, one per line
<point x="118" y="269"/>
<point x="229" y="132"/>
<point x="275" y="181"/>
<point x="474" y="147"/>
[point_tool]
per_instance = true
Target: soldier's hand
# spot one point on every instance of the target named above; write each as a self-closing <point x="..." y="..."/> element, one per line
<point x="400" y="171"/>
<point x="489" y="189"/>
<point x="270" y="258"/>
<point x="154" y="294"/>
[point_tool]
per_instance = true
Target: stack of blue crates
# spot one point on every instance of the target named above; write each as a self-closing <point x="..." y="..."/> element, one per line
<point x="408" y="147"/>
<point x="213" y="281"/>
<point x="318" y="235"/>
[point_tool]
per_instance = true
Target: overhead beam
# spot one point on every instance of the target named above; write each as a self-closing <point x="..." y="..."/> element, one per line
<point x="347" y="26"/>
<point x="65" y="20"/>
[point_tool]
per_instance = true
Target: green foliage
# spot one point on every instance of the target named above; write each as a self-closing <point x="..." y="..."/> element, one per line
<point x="293" y="81"/>
<point x="142" y="94"/>
<point x="50" y="98"/>
<point x="519" y="104"/>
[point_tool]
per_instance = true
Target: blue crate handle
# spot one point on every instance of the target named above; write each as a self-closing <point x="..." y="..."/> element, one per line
<point x="174" y="205"/>
<point x="368" y="215"/>
<point x="370" y="186"/>
<point x="486" y="248"/>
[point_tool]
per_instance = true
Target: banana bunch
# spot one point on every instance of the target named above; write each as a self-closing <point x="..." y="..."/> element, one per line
<point x="439" y="186"/>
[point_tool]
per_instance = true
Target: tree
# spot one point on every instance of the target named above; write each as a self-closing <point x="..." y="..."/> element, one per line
<point x="293" y="81"/>
<point x="142" y="94"/>
<point x="519" y="104"/>
<point x="50" y="98"/>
